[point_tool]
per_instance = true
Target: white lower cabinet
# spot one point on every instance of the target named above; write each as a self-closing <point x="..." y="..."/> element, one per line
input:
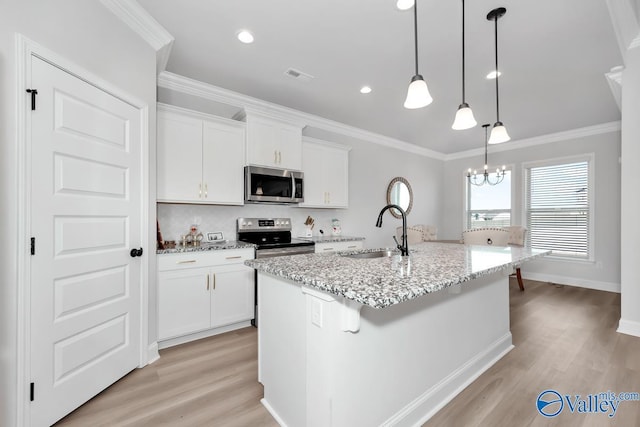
<point x="202" y="291"/>
<point x="338" y="246"/>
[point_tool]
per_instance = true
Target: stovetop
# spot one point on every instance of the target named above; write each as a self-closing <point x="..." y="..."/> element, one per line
<point x="268" y="233"/>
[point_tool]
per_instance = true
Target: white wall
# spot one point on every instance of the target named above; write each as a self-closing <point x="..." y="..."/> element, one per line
<point x="84" y="33"/>
<point x="371" y="168"/>
<point x="604" y="273"/>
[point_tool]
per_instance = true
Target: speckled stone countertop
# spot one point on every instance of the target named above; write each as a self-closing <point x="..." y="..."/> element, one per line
<point x="332" y="239"/>
<point x="382" y="282"/>
<point x="232" y="244"/>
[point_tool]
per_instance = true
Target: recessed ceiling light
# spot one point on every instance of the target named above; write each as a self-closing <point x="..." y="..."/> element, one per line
<point x="365" y="89"/>
<point x="405" y="4"/>
<point x="245" y="36"/>
<point x="492" y="75"/>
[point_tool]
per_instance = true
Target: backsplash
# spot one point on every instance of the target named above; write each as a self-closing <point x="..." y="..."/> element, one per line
<point x="175" y="219"/>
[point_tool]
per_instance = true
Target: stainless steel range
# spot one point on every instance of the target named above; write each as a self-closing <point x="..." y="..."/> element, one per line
<point x="272" y="236"/>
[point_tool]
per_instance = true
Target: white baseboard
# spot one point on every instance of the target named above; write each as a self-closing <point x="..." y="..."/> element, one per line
<point x="203" y="334"/>
<point x="273" y="413"/>
<point x="152" y="353"/>
<point x="629" y="327"/>
<point x="431" y="401"/>
<point x="573" y="281"/>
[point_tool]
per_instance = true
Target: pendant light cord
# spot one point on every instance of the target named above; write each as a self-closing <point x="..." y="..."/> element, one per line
<point x="415" y="31"/>
<point x="463" y="88"/>
<point x="485" y="145"/>
<point x="497" y="72"/>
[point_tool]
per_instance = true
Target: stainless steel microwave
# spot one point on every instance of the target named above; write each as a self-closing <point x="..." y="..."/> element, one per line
<point x="272" y="185"/>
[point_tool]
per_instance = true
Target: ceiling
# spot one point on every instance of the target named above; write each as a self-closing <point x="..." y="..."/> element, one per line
<point x="553" y="57"/>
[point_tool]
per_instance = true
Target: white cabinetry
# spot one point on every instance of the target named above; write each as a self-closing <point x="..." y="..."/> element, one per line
<point x="326" y="174"/>
<point x="200" y="158"/>
<point x="273" y="142"/>
<point x="329" y="247"/>
<point x="202" y="291"/>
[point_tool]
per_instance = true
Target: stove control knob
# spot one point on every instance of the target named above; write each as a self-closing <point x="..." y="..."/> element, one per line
<point x="249" y="223"/>
<point x="286" y="222"/>
<point x="277" y="222"/>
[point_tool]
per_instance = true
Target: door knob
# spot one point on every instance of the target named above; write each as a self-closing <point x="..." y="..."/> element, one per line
<point x="135" y="252"/>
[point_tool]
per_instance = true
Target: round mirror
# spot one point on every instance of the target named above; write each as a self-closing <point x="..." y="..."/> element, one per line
<point x="399" y="193"/>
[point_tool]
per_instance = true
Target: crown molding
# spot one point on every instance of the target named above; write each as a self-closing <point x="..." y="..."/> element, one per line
<point x="171" y="81"/>
<point x="614" y="79"/>
<point x="625" y="24"/>
<point x="143" y="24"/>
<point x="541" y="140"/>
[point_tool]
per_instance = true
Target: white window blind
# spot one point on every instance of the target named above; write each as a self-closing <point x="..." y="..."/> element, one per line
<point x="558" y="208"/>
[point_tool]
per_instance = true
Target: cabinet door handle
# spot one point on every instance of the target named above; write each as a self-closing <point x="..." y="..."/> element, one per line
<point x="200" y="190"/>
<point x="275" y="156"/>
<point x="234" y="257"/>
<point x="191" y="261"/>
<point x="328" y="197"/>
<point x="206" y="190"/>
<point x="328" y="249"/>
<point x="279" y="157"/>
<point x="214" y="282"/>
<point x="207" y="281"/>
<point x="351" y="247"/>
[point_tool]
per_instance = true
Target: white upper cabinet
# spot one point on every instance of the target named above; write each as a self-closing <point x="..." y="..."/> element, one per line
<point x="200" y="158"/>
<point x="326" y="174"/>
<point x="272" y="142"/>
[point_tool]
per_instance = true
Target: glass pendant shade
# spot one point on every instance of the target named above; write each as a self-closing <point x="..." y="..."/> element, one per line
<point x="418" y="95"/>
<point x="499" y="134"/>
<point x="404" y="4"/>
<point x="464" y="118"/>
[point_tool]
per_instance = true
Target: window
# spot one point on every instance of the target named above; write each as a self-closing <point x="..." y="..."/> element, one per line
<point x="558" y="208"/>
<point x="489" y="205"/>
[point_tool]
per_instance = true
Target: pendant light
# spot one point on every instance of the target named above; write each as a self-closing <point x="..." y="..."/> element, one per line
<point x="485" y="178"/>
<point x="464" y="116"/>
<point x="499" y="132"/>
<point x="418" y="95"/>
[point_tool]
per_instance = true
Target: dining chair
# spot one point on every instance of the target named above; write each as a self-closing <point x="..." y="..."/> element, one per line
<point x="495" y="236"/>
<point x="418" y="233"/>
<point x="517" y="236"/>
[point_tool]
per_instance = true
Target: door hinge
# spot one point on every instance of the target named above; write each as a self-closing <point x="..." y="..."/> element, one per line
<point x="32" y="391"/>
<point x="33" y="246"/>
<point x="33" y="93"/>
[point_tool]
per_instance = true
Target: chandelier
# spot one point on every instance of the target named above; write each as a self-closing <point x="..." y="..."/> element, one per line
<point x="485" y="177"/>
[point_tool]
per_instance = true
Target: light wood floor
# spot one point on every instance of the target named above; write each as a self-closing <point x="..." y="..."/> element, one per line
<point x="564" y="339"/>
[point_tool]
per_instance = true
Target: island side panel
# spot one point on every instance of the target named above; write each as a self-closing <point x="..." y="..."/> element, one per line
<point x="408" y="360"/>
<point x="404" y="363"/>
<point x="282" y="349"/>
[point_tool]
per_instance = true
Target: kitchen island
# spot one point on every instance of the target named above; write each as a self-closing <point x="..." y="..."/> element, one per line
<point x="380" y="341"/>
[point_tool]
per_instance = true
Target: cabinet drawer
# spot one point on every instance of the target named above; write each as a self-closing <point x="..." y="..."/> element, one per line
<point x="185" y="260"/>
<point x="338" y="246"/>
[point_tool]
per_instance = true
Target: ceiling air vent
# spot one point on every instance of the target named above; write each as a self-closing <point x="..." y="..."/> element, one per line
<point x="298" y="75"/>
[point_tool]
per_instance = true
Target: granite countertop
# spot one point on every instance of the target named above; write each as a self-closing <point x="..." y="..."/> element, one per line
<point x="232" y="244"/>
<point x="332" y="239"/>
<point x="382" y="282"/>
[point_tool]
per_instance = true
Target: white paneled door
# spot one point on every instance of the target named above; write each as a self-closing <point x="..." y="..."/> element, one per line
<point x="86" y="206"/>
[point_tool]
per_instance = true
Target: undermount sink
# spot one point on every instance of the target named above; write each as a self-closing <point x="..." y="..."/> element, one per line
<point x="376" y="254"/>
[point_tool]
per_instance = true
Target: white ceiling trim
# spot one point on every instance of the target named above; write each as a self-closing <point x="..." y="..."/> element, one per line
<point x="541" y="140"/>
<point x="614" y="78"/>
<point x="193" y="87"/>
<point x="141" y="22"/>
<point x="625" y="24"/>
